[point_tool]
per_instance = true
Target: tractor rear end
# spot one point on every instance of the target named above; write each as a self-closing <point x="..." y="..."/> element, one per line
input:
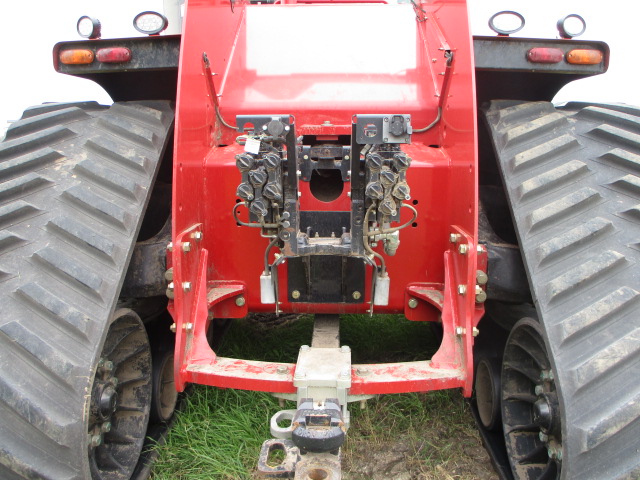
<point x="326" y="158"/>
<point x="300" y="185"/>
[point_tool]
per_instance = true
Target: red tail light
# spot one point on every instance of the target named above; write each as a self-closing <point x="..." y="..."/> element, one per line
<point x="545" y="55"/>
<point x="113" y="55"/>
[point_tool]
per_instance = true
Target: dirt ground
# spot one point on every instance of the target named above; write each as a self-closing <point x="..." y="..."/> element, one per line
<point x="408" y="459"/>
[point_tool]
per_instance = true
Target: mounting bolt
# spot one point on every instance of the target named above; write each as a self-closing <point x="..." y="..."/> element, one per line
<point x="282" y="370"/>
<point x="481" y="295"/>
<point x="347" y="157"/>
<point x="362" y="372"/>
<point x="187" y="326"/>
<point x="173" y="327"/>
<point x="463" y="248"/>
<point x="462" y="289"/>
<point x="345" y="349"/>
<point x="475" y="332"/>
<point x="295" y="294"/>
<point x="481" y="277"/>
<point x="454" y="237"/>
<point x="168" y="275"/>
<point x="413" y="303"/>
<point x="480" y="249"/>
<point x="186" y="286"/>
<point x="299" y="173"/>
<point x="306" y="157"/>
<point x="96" y="441"/>
<point x="197" y="235"/>
<point x="356" y="295"/>
<point x="461" y="331"/>
<point x="169" y="291"/>
<point x="554" y="453"/>
<point x="105" y="427"/>
<point x="240" y="301"/>
<point x="170" y="246"/>
<point x="186" y="247"/>
<point x="543" y="436"/>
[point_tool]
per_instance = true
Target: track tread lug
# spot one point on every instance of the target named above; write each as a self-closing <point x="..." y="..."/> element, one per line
<point x="33" y="124"/>
<point x="99" y="207"/>
<point x="110" y="179"/>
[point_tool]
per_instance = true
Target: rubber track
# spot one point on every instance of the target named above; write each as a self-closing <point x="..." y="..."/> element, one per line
<point x="74" y="185"/>
<point x="573" y="179"/>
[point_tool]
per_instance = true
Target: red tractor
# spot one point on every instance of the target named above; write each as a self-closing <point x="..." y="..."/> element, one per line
<point x="322" y="157"/>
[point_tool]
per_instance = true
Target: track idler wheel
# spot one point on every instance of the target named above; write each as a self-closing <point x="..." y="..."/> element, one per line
<point x="165" y="395"/>
<point x="531" y="415"/>
<point x="487" y="392"/>
<point x="120" y="399"/>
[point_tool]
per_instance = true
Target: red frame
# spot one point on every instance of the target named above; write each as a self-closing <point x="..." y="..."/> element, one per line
<point x="223" y="262"/>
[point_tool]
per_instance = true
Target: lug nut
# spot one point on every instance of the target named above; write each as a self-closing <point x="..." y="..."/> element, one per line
<point x="96" y="441"/>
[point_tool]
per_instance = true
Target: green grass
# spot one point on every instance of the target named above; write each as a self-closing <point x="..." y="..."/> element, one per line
<point x="218" y="433"/>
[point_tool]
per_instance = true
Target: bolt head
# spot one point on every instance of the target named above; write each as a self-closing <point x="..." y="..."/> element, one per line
<point x="481" y="295"/>
<point x="543" y="436"/>
<point x="356" y="295"/>
<point x="413" y="302"/>
<point x="173" y="327"/>
<point x="481" y="277"/>
<point x="345" y="349"/>
<point x="461" y="330"/>
<point x="282" y="370"/>
<point x="462" y="289"/>
<point x="186" y="286"/>
<point x="186" y="246"/>
<point x="295" y="294"/>
<point x="454" y="237"/>
<point x="305" y="348"/>
<point x="197" y="235"/>
<point x="475" y="332"/>
<point x="105" y="427"/>
<point x="240" y="301"/>
<point x="362" y="372"/>
<point x="170" y="246"/>
<point x="96" y="441"/>
<point x="187" y="326"/>
<point x="463" y="248"/>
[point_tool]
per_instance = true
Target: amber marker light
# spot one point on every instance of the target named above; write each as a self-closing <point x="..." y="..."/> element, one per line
<point x="584" y="57"/>
<point x="113" y="55"/>
<point x="545" y="55"/>
<point x="76" y="57"/>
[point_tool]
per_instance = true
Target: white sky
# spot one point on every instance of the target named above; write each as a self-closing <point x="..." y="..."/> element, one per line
<point x="29" y="29"/>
